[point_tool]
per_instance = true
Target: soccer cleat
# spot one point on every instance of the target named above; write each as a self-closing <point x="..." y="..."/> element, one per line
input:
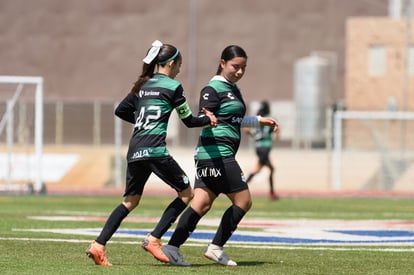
<point x="96" y="252"/>
<point x="216" y="254"/>
<point x="174" y="255"/>
<point x="154" y="247"/>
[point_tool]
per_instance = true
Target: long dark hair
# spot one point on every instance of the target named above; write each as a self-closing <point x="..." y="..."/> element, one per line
<point x="166" y="52"/>
<point x="229" y="53"/>
<point x="264" y="109"/>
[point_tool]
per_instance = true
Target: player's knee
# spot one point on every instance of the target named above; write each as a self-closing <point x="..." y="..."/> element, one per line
<point x="201" y="208"/>
<point x="206" y="208"/>
<point x="186" y="195"/>
<point x="245" y="205"/>
<point x="131" y="202"/>
<point x="248" y="205"/>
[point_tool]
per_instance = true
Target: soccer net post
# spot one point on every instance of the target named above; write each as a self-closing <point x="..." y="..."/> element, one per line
<point x="375" y="141"/>
<point x="7" y="119"/>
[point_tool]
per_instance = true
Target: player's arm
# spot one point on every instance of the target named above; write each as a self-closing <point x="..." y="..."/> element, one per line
<point x="208" y="100"/>
<point x="255" y="121"/>
<point x="268" y="121"/>
<point x="125" y="110"/>
<point x="185" y="114"/>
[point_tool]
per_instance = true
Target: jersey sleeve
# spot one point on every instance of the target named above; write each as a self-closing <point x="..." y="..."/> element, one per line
<point x="126" y="108"/>
<point x="179" y="97"/>
<point x="209" y="100"/>
<point x="200" y="121"/>
<point x="185" y="114"/>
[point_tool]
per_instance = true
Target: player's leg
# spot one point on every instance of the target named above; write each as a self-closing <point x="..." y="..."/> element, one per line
<point x="256" y="168"/>
<point x="272" y="169"/>
<point x="237" y="191"/>
<point x="201" y="204"/>
<point x="169" y="171"/>
<point x="133" y="191"/>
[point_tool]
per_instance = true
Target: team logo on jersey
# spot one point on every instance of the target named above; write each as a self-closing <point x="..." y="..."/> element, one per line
<point x="141" y="154"/>
<point x="148" y="93"/>
<point x="181" y="111"/>
<point x="205" y="96"/>
<point x="230" y="95"/>
<point x="237" y="119"/>
<point x="208" y="172"/>
<point x="186" y="180"/>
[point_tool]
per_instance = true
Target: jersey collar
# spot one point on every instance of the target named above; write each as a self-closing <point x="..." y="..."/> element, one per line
<point x="223" y="79"/>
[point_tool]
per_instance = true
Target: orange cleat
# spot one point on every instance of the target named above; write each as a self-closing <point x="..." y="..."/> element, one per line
<point x="96" y="252"/>
<point x="154" y="246"/>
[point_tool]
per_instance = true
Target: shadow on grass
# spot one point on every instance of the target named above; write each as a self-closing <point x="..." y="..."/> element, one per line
<point x="240" y="263"/>
<point x="250" y="263"/>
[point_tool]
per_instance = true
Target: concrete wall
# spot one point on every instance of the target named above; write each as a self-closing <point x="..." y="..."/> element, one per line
<point x="93" y="49"/>
<point x="364" y="91"/>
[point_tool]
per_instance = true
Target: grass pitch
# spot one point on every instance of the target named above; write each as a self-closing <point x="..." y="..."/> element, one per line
<point x="26" y="248"/>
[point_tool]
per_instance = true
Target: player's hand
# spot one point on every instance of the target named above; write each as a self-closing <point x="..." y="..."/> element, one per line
<point x="268" y="121"/>
<point x="213" y="118"/>
<point x="246" y="131"/>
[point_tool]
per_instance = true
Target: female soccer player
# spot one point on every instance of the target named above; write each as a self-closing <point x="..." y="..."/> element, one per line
<point x="217" y="170"/>
<point x="263" y="136"/>
<point x="148" y="106"/>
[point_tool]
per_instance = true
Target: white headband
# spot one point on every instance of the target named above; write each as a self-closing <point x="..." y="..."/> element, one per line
<point x="153" y="52"/>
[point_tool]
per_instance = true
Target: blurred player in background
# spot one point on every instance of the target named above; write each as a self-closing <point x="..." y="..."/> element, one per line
<point x="263" y="136"/>
<point x="148" y="106"/>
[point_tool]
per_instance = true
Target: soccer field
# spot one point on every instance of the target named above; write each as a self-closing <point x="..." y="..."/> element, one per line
<point x="49" y="234"/>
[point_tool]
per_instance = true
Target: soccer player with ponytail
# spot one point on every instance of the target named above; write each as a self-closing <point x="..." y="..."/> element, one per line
<point x="148" y="107"/>
<point x="217" y="171"/>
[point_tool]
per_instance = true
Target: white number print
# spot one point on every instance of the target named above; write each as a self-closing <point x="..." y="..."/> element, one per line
<point x="145" y="117"/>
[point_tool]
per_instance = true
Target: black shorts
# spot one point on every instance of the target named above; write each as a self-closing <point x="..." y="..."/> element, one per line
<point x="222" y="175"/>
<point x="263" y="154"/>
<point x="165" y="168"/>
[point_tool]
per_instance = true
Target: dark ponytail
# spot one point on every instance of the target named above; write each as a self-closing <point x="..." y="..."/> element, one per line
<point x="147" y="73"/>
<point x="166" y="54"/>
<point x="264" y="109"/>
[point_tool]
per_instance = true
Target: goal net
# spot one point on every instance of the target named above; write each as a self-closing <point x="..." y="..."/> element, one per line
<point x="373" y="151"/>
<point x="21" y="134"/>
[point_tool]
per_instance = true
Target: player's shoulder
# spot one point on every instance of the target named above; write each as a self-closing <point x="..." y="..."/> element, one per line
<point x="163" y="81"/>
<point x="218" y="86"/>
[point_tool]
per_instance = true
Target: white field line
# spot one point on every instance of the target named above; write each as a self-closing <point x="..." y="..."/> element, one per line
<point x="280" y="247"/>
<point x="257" y="214"/>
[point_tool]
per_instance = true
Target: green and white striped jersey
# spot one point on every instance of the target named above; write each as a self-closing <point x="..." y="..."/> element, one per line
<point x="149" y="111"/>
<point x="225" y="101"/>
<point x="263" y="136"/>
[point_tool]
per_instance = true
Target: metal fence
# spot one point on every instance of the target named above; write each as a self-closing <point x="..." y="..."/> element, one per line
<point x="84" y="123"/>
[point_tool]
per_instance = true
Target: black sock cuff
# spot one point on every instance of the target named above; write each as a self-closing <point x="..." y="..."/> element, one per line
<point x="238" y="210"/>
<point x="185" y="227"/>
<point x="169" y="216"/>
<point x="229" y="222"/>
<point x="179" y="203"/>
<point x="112" y="223"/>
<point x="122" y="208"/>
<point x="192" y="217"/>
<point x="193" y="213"/>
